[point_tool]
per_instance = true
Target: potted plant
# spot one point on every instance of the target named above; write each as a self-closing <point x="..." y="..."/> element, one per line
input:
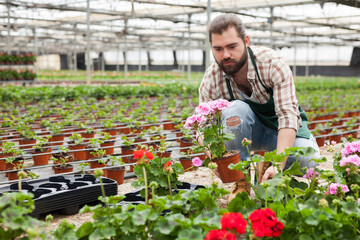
<point x="99" y="156"/>
<point x="109" y="127"/>
<point x="57" y="137"/>
<point x="127" y="150"/>
<point x="7" y="150"/>
<point x="163" y="151"/>
<point x="61" y="165"/>
<point x="40" y="149"/>
<point x="16" y="163"/>
<point x="76" y="144"/>
<point x="206" y="123"/>
<point x="63" y="154"/>
<point x="88" y="133"/>
<point x="116" y="172"/>
<point x="107" y="142"/>
<point x="28" y="139"/>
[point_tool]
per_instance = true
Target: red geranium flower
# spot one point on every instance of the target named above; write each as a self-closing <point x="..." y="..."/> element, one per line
<point x="265" y="223"/>
<point x="219" y="234"/>
<point x="149" y="155"/>
<point x="138" y="154"/>
<point x="233" y="221"/>
<point x="168" y="164"/>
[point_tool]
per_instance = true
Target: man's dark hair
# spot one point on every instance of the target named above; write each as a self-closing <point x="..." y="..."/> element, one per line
<point x="222" y="22"/>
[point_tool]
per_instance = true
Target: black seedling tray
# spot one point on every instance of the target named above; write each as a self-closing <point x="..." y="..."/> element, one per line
<point x="135" y="197"/>
<point x="64" y="193"/>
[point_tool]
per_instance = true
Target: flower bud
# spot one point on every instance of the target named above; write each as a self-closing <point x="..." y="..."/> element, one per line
<point x="22" y="174"/>
<point x="153" y="184"/>
<point x="98" y="173"/>
<point x="336" y="202"/>
<point x="354" y="187"/>
<point x="266" y="184"/>
<point x="49" y="218"/>
<point x="287" y="180"/>
<point x="323" y="203"/>
<point x="212" y="166"/>
<point x="350" y="199"/>
<point x="245" y="142"/>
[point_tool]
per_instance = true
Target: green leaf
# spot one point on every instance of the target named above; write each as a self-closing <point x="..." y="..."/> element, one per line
<point x="208" y="220"/>
<point x="192" y="233"/>
<point x="84" y="230"/>
<point x="305" y="236"/>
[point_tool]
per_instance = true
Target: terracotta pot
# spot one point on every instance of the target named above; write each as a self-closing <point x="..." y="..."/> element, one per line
<point x="60" y="169"/>
<point x="130" y="160"/>
<point x="105" y="145"/>
<point x="116" y="173"/>
<point x="12" y="175"/>
<point x="57" y="140"/>
<point x="87" y="136"/>
<point x="141" y="141"/>
<point x="124" y="130"/>
<point x="336" y="138"/>
<point x="169" y="126"/>
<point x="13" y="165"/>
<point x="112" y="132"/>
<point x="165" y="154"/>
<point x="227" y="175"/>
<point x="178" y="136"/>
<point x="320" y="140"/>
<point x="185" y="144"/>
<point x="2" y="161"/>
<point x="77" y="155"/>
<point x="29" y="142"/>
<point x="127" y="150"/>
<point x="42" y="159"/>
<point x="96" y="164"/>
<point x="186" y="163"/>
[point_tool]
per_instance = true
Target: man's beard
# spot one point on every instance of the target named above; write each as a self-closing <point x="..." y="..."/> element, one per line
<point x="232" y="69"/>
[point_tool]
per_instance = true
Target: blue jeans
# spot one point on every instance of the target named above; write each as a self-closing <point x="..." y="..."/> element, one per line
<point x="245" y="124"/>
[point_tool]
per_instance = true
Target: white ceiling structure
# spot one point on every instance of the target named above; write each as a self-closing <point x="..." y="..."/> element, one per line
<point x="67" y="26"/>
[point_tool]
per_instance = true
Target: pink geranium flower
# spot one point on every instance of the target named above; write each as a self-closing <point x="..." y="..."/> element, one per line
<point x="350" y="148"/>
<point x="311" y="173"/>
<point x="334" y="186"/>
<point x="194" y="120"/>
<point x="353" y="159"/>
<point x="204" y="109"/>
<point x="197" y="162"/>
<point x="219" y="105"/>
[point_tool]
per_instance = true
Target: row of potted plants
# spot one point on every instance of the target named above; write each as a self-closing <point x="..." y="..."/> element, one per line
<point x="16" y="59"/>
<point x="324" y="205"/>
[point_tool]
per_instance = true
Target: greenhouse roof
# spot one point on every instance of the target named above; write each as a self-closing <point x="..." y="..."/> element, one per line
<point x="60" y="26"/>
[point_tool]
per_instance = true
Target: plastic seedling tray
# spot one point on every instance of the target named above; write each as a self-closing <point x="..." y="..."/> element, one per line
<point x="64" y="193"/>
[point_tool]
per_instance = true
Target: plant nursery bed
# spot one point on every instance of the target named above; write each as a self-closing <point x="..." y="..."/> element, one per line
<point x="64" y="193"/>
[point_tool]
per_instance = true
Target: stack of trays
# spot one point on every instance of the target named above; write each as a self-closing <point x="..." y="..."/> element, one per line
<point x="65" y="193"/>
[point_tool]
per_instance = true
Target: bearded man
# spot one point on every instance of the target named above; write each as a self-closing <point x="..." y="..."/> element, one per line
<point x="259" y="84"/>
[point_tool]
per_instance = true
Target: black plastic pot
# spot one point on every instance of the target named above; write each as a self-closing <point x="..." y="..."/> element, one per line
<point x="64" y="193"/>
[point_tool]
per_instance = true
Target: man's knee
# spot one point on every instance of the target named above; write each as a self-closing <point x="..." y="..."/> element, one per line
<point x="233" y="121"/>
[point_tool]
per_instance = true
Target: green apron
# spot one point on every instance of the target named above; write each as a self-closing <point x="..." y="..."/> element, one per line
<point x="266" y="112"/>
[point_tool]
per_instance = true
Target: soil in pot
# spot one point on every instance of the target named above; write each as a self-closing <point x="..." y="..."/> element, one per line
<point x="116" y="173"/>
<point x="63" y="169"/>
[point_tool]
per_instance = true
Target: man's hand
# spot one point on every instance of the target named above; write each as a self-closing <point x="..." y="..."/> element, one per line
<point x="269" y="173"/>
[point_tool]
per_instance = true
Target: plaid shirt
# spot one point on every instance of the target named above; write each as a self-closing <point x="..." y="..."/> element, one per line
<point x="275" y="73"/>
